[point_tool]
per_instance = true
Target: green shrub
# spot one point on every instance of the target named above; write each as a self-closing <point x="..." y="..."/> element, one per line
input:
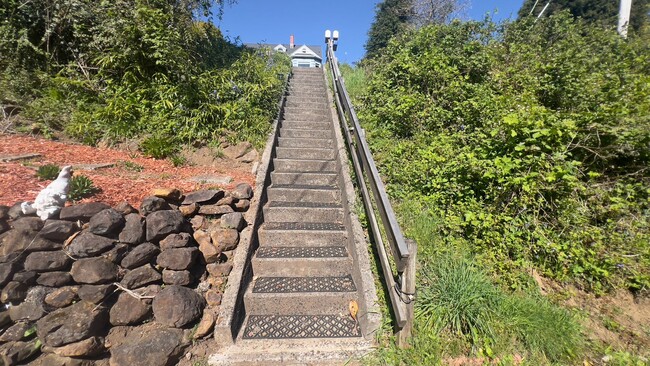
<point x="527" y="142"/>
<point x="131" y="166"/>
<point x="48" y="172"/>
<point x="159" y="147"/>
<point x="178" y="160"/>
<point x="81" y="187"/>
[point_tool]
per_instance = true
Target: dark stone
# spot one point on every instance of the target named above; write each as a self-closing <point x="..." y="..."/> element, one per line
<point x="106" y="222"/>
<point x="128" y="310"/>
<point x="133" y="232"/>
<point x="62" y="297"/>
<point x="160" y="347"/>
<point x="14" y="292"/>
<point x="14" y="353"/>
<point x="177" y="259"/>
<point x="28" y="224"/>
<point x="225" y="239"/>
<point x="125" y="208"/>
<point x="219" y="269"/>
<point x="29" y="311"/>
<point x="17" y="241"/>
<point x="51" y="359"/>
<point x="72" y="324"/>
<point x="177" y="306"/>
<point x="4" y="226"/>
<point x="47" y="261"/>
<point x="181" y="240"/>
<point x="83" y="211"/>
<point x="117" y="253"/>
<point x="153" y="204"/>
<point x="142" y="254"/>
<point x="242" y="205"/>
<point x="95" y="293"/>
<point x="26" y="277"/>
<point x="15" y="333"/>
<point x="87" y="244"/>
<point x="233" y="221"/>
<point x="162" y="223"/>
<point x="4" y="212"/>
<point x="7" y="271"/>
<point x="226" y="201"/>
<point x="15" y="211"/>
<point x="203" y="196"/>
<point x="242" y="191"/>
<point x="189" y="210"/>
<point x="213" y="297"/>
<point x="54" y="279"/>
<point x="85" y="348"/>
<point x="58" y="230"/>
<point x="215" y="210"/>
<point x="180" y="278"/>
<point x="141" y="276"/>
<point x="4" y="317"/>
<point x="94" y="271"/>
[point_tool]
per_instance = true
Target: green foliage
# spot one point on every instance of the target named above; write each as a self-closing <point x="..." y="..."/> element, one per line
<point x="392" y="18"/>
<point x="48" y="172"/>
<point x="113" y="70"/>
<point x="601" y="12"/>
<point x="158" y="147"/>
<point x="81" y="187"/>
<point x="131" y="166"/>
<point x="178" y="160"/>
<point x="526" y="144"/>
<point x="455" y="296"/>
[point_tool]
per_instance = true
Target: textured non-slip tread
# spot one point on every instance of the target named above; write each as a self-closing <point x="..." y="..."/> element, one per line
<point x="304" y="204"/>
<point x="310" y="226"/>
<point x="302" y="252"/>
<point x="280" y="285"/>
<point x="304" y="186"/>
<point x="301" y="326"/>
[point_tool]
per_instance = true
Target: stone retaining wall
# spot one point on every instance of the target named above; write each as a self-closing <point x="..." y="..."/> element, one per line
<point x="74" y="288"/>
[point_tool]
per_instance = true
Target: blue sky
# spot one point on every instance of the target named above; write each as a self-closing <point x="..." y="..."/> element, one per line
<point x="265" y="21"/>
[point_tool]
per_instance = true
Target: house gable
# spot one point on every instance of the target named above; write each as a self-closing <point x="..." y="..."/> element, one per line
<point x="304" y="52"/>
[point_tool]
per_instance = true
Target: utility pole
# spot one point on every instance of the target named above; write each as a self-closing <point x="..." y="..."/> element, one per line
<point x="624" y="17"/>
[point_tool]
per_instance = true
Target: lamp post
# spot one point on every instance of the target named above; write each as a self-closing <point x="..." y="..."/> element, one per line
<point x="332" y="38"/>
<point x="624" y="17"/>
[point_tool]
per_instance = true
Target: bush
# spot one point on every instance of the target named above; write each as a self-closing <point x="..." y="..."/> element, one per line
<point x="48" y="172"/>
<point x="527" y="143"/>
<point x="81" y="187"/>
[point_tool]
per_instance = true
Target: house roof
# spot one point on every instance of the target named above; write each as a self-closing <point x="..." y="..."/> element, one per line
<point x="318" y="50"/>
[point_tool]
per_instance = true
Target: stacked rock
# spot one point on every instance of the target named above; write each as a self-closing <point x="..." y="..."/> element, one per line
<point x="65" y="283"/>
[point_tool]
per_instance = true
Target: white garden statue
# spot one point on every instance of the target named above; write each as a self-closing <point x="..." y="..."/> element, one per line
<point x="50" y="200"/>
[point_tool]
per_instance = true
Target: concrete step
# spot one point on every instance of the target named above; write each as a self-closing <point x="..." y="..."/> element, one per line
<point x="305" y="153"/>
<point x="325" y="112"/>
<point x="276" y="211"/>
<point x="293" y="295"/>
<point x="327" y="327"/>
<point x="306" y="125"/>
<point x="305" y="142"/>
<point x="307" y="166"/>
<point x="305" y="134"/>
<point x="307" y="117"/>
<point x="308" y="103"/>
<point x="308" y="89"/>
<point x="312" y="261"/>
<point x="306" y="94"/>
<point x="304" y="193"/>
<point x="293" y="234"/>
<point x="318" y="179"/>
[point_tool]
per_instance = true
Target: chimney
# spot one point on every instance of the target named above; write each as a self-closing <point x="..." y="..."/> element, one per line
<point x="291" y="42"/>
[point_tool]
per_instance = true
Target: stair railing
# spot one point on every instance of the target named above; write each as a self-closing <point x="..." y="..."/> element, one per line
<point x="400" y="281"/>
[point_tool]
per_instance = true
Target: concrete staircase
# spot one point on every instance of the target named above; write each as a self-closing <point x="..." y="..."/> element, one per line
<point x="306" y="269"/>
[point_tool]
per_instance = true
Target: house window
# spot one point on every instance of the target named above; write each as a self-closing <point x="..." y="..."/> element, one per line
<point x="302" y="64"/>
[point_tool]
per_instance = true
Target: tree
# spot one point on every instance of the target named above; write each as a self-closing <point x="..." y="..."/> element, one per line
<point x="392" y="17"/>
<point x="604" y="12"/>
<point x="435" y="11"/>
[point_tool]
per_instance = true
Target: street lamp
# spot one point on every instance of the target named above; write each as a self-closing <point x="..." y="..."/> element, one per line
<point x="332" y="38"/>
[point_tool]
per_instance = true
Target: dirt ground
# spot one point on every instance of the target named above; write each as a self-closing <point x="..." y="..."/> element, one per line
<point x="131" y="178"/>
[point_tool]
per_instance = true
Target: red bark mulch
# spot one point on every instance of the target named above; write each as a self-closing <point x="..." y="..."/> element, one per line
<point x="18" y="180"/>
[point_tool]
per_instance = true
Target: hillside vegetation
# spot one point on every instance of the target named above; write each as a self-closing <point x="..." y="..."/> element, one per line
<point x="114" y="70"/>
<point x="513" y="149"/>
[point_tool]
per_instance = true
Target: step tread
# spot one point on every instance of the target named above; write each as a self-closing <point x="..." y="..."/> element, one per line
<point x="305" y="186"/>
<point x="307" y="226"/>
<point x="281" y="204"/>
<point x="302" y="252"/>
<point x="301" y="326"/>
<point x="304" y="284"/>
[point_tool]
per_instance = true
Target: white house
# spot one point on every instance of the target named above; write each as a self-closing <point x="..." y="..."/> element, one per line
<point x="301" y="56"/>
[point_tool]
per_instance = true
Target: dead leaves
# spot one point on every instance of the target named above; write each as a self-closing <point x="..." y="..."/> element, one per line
<point x="354" y="309"/>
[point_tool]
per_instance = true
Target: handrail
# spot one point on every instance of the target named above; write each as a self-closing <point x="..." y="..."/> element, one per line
<point x="401" y="286"/>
